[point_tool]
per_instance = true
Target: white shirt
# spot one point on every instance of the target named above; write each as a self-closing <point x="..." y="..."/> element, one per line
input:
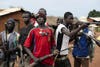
<point x="62" y="39"/>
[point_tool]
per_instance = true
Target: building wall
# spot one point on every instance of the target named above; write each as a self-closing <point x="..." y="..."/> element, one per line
<point x="15" y="15"/>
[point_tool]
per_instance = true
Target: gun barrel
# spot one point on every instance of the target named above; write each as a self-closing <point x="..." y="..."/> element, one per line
<point x="96" y="41"/>
<point x="98" y="23"/>
<point x="79" y="23"/>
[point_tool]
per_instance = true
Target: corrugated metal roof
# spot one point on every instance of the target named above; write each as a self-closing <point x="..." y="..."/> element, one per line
<point x="95" y="18"/>
<point x="1" y="10"/>
<point x="9" y="10"/>
<point x="84" y="19"/>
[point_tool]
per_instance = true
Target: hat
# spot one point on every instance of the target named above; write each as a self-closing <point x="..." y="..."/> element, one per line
<point x="11" y="20"/>
<point x="43" y="11"/>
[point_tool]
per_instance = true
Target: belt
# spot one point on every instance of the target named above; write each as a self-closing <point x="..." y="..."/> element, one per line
<point x="82" y="58"/>
<point x="62" y="57"/>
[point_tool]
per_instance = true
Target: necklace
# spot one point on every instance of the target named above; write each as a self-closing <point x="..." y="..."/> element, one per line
<point x="41" y="31"/>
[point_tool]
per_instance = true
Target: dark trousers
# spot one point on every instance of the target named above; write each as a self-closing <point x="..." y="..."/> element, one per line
<point x="78" y="62"/>
<point x="63" y="63"/>
<point x="43" y="65"/>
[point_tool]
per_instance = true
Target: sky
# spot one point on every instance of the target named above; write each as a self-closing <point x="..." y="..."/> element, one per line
<point x="55" y="7"/>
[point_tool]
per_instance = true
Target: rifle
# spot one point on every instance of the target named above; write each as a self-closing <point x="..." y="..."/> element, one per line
<point x="88" y="23"/>
<point x="21" y="53"/>
<point x="19" y="60"/>
<point x="0" y="40"/>
<point x="1" y="44"/>
<point x="6" y="44"/>
<point x="96" y="41"/>
<point x="38" y="60"/>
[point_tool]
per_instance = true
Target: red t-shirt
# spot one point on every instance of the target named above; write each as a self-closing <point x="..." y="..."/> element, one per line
<point x="42" y="43"/>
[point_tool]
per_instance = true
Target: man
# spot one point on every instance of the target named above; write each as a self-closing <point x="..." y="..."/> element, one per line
<point x="24" y="33"/>
<point x="63" y="34"/>
<point x="83" y="50"/>
<point x="43" y="41"/>
<point x="59" y="20"/>
<point x="41" y="11"/>
<point x="10" y="42"/>
<point x="28" y="26"/>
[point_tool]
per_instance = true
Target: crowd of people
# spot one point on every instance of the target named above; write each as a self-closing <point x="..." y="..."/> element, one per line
<point x="37" y="39"/>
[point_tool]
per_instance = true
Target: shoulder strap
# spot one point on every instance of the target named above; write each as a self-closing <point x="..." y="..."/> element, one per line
<point x="32" y="43"/>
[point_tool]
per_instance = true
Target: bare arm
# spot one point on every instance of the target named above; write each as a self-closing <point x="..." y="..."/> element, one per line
<point x="30" y="54"/>
<point x="72" y="33"/>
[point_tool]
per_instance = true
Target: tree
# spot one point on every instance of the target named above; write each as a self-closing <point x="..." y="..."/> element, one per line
<point x="94" y="13"/>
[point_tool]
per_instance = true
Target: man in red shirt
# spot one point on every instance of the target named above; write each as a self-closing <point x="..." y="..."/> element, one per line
<point x="42" y="39"/>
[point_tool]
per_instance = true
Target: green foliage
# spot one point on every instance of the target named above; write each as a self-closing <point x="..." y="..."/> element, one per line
<point x="94" y="13"/>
